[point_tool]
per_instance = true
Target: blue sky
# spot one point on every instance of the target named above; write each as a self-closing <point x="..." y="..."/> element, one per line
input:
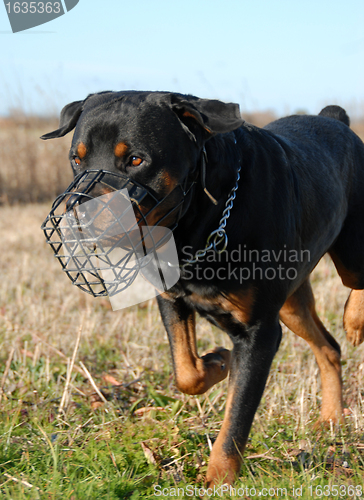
<point x="283" y="55"/>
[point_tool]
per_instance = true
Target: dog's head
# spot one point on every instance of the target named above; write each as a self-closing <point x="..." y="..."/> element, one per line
<point x="153" y="139"/>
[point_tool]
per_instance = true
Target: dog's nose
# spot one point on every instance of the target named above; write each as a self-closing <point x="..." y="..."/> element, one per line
<point x="75" y="200"/>
<point x="71" y="202"/>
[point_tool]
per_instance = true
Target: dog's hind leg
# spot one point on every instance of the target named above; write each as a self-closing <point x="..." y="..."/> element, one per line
<point x="347" y="255"/>
<point x="193" y="374"/>
<point x="299" y="315"/>
<point x="354" y="317"/>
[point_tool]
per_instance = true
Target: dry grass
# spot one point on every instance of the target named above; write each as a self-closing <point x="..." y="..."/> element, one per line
<point x="37" y="299"/>
<point x="40" y="314"/>
<point x="32" y="170"/>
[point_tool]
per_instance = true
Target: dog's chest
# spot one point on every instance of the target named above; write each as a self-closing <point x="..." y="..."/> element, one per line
<point x="235" y="306"/>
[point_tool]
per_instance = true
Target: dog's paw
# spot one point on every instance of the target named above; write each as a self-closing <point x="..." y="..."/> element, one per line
<point x="207" y="371"/>
<point x="354" y="317"/>
<point x="354" y="327"/>
<point x="219" y="358"/>
<point x="355" y="335"/>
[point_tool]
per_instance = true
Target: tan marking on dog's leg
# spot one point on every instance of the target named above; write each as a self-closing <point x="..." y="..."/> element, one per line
<point x="299" y="315"/>
<point x="354" y="317"/>
<point x="195" y="375"/>
<point x="224" y="468"/>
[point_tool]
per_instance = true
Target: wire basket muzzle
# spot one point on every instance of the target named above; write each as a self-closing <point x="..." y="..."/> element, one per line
<point x="104" y="243"/>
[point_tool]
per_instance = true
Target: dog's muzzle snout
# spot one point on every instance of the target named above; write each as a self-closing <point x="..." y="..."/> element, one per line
<point x="100" y="234"/>
<point x="75" y="199"/>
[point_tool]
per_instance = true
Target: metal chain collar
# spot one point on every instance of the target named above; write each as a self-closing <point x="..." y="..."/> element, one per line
<point x="219" y="236"/>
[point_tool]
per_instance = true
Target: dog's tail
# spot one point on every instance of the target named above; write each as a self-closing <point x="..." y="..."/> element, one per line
<point x="337" y="113"/>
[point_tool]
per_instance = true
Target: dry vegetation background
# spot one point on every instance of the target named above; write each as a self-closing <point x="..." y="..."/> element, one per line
<point x="32" y="170"/>
<point x="40" y="313"/>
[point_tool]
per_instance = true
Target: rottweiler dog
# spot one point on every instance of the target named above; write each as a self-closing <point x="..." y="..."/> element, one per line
<point x="260" y="207"/>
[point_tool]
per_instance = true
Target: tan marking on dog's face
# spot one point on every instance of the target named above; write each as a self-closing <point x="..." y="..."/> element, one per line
<point x="154" y="215"/>
<point x="120" y="149"/>
<point x="169" y="182"/>
<point x="99" y="192"/>
<point x="81" y="150"/>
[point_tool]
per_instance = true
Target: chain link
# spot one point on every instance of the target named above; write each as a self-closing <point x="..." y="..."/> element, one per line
<point x="218" y="238"/>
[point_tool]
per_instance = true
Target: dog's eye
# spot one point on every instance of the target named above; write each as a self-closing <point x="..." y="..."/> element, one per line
<point x="135" y="161"/>
<point x="77" y="160"/>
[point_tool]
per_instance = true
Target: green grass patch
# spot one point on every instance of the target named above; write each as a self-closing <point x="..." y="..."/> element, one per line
<point x="147" y="438"/>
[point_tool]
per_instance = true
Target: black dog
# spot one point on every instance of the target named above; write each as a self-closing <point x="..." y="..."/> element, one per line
<point x="294" y="191"/>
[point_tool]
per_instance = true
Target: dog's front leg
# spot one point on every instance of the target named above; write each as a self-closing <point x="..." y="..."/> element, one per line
<point x="252" y="356"/>
<point x="193" y="374"/>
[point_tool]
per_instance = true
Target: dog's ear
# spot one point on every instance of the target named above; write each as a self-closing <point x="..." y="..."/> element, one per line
<point x="68" y="120"/>
<point x="212" y="116"/>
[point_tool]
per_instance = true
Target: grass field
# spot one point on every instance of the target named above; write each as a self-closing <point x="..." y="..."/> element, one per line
<point x="61" y="438"/>
<point x="146" y="433"/>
